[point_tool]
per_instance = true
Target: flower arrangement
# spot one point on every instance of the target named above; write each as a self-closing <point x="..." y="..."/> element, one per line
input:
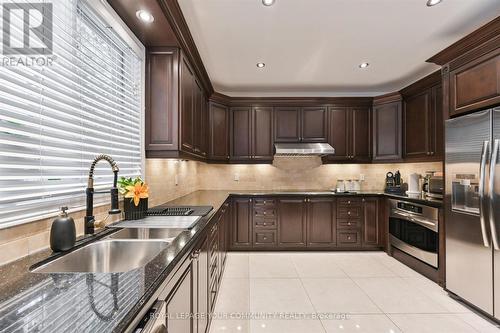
<point x="137" y="191"/>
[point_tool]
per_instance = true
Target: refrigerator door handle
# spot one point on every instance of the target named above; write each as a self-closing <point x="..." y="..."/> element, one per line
<point x="482" y="183"/>
<point x="493" y="164"/>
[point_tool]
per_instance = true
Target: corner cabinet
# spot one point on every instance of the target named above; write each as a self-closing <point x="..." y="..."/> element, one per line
<point x="301" y="124"/>
<point x="350" y="134"/>
<point x="387" y="133"/>
<point x="251" y="134"/>
<point x="176" y="107"/>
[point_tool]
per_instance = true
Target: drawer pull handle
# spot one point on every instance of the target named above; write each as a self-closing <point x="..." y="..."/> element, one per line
<point x="265" y="213"/>
<point x="264" y="223"/>
<point x="348" y="213"/>
<point x="265" y="238"/>
<point x="348" y="237"/>
<point x="264" y="202"/>
<point x="348" y="223"/>
<point x="349" y="201"/>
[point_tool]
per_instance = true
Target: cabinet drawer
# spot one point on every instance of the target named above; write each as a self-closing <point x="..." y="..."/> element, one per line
<point x="348" y="224"/>
<point x="264" y="238"/>
<point x="265" y="212"/>
<point x="264" y="202"/>
<point x="349" y="202"/>
<point x="348" y="212"/>
<point x="348" y="238"/>
<point x="264" y="223"/>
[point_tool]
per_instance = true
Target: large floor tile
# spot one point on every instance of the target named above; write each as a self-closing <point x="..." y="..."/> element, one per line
<point x="237" y="265"/>
<point x="234" y="296"/>
<point x="395" y="295"/>
<point x="279" y="295"/>
<point x="374" y="323"/>
<point x="395" y="266"/>
<point x="338" y="296"/>
<point x="365" y="265"/>
<point x="269" y="265"/>
<point x="437" y="294"/>
<point x="229" y="326"/>
<point x="314" y="265"/>
<point x="479" y="323"/>
<point x="431" y="323"/>
<point x="288" y="326"/>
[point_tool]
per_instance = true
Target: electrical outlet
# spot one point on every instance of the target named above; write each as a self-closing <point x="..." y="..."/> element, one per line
<point x="236" y="177"/>
<point x="362" y="177"/>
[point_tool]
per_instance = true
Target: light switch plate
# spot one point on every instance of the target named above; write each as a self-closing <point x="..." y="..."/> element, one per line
<point x="236" y="177"/>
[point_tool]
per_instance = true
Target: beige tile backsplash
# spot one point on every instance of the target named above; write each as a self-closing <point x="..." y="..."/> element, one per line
<point x="162" y="175"/>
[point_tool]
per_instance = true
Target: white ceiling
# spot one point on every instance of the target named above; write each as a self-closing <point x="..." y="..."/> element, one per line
<point x="314" y="47"/>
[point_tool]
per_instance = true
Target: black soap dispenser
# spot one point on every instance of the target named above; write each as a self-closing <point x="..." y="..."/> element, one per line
<point x="62" y="232"/>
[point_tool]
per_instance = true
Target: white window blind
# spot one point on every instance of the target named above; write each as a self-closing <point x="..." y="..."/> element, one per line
<point x="55" y="119"/>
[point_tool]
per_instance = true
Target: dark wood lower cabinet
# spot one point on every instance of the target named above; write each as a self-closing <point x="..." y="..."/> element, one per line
<point x="292" y="222"/>
<point x="241" y="226"/>
<point x="321" y="228"/>
<point x="371" y="225"/>
<point x="200" y="287"/>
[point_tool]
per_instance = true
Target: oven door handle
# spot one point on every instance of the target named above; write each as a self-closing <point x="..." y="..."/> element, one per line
<point x="482" y="185"/>
<point x="423" y="222"/>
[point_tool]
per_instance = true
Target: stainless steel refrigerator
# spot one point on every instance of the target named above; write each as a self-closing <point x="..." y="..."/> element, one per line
<point x="472" y="205"/>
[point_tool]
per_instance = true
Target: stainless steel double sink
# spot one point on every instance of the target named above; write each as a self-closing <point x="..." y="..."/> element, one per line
<point x="122" y="251"/>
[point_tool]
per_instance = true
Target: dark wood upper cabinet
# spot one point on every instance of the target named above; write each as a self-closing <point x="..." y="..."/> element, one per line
<point x="241" y="133"/>
<point x="292" y="222"/>
<point x="321" y="222"/>
<point x="262" y="133"/>
<point x="294" y="124"/>
<point x="475" y="85"/>
<point x="219" y="132"/>
<point x="314" y="124"/>
<point x="349" y="134"/>
<point x="371" y="225"/>
<point x="241" y="226"/>
<point x="162" y="133"/>
<point x="361" y="135"/>
<point x="287" y="124"/>
<point x="187" y="106"/>
<point x="387" y="123"/>
<point x="423" y="123"/>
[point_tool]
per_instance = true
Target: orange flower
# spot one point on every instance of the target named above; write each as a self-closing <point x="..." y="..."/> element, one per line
<point x="137" y="192"/>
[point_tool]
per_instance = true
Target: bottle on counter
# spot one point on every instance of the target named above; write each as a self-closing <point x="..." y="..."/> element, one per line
<point x="62" y="232"/>
<point x="340" y="186"/>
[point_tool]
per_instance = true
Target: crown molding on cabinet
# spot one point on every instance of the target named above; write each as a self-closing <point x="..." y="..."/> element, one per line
<point x="422" y="84"/>
<point x="387" y="98"/>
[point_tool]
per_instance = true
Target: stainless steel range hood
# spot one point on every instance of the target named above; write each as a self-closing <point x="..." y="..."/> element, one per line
<point x="303" y="149"/>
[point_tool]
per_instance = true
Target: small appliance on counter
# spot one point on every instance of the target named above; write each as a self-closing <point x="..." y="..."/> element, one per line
<point x="414" y="186"/>
<point x="393" y="183"/>
<point x="62" y="232"/>
<point x="433" y="186"/>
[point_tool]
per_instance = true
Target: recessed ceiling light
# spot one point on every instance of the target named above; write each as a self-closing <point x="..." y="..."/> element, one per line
<point x="268" y="2"/>
<point x="261" y="65"/>
<point x="144" y="16"/>
<point x="364" y="65"/>
<point x="431" y="3"/>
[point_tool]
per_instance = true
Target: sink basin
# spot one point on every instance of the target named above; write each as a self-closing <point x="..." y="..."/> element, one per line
<point x="147" y="233"/>
<point x="106" y="256"/>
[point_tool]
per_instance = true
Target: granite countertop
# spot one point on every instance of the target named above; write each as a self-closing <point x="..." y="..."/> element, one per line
<point x="107" y="302"/>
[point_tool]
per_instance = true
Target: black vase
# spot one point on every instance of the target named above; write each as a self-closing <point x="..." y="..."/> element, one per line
<point x="133" y="212"/>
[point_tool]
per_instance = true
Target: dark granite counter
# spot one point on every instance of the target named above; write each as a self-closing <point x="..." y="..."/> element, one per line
<point x="108" y="302"/>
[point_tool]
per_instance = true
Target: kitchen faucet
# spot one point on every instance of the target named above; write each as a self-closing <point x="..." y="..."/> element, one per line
<point x="89" y="220"/>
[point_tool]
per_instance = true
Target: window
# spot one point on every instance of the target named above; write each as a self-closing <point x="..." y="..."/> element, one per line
<point x="55" y="119"/>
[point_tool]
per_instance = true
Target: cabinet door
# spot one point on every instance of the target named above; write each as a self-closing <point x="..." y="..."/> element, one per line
<point x="417" y="115"/>
<point x="219" y="132"/>
<point x="291" y="222"/>
<point x="200" y="286"/>
<point x="339" y="133"/>
<point x="321" y="222"/>
<point x="387" y="131"/>
<point x="180" y="302"/>
<point x="370" y="222"/>
<point x="161" y="102"/>
<point x="197" y="117"/>
<point x="314" y="124"/>
<point x="241" y="130"/>
<point x="241" y="226"/>
<point x="287" y="124"/>
<point x="262" y="133"/>
<point x="360" y="137"/>
<point x="187" y="107"/>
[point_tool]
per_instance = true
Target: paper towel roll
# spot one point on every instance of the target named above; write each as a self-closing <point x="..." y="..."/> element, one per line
<point x="413" y="183"/>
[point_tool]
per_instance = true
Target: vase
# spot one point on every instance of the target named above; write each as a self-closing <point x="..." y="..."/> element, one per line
<point x="133" y="212"/>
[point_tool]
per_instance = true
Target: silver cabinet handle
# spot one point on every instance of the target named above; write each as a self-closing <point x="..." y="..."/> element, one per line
<point x="493" y="164"/>
<point x="482" y="183"/>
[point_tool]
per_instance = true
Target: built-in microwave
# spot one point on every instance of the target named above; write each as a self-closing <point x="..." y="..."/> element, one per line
<point x="413" y="229"/>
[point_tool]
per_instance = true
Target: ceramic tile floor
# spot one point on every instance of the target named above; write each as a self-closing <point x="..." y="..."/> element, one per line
<point x="353" y="291"/>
